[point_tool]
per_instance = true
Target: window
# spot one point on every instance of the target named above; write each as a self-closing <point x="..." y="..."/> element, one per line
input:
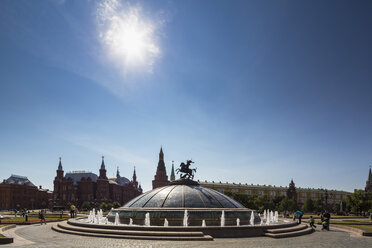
<point x="221" y="190"/>
<point x="283" y="193"/>
<point x="248" y="192"/>
<point x="303" y="195"/>
<point x="313" y="195"/>
<point x="338" y="197"/>
<point x="260" y="192"/>
<point x="272" y="193"/>
<point x="234" y="190"/>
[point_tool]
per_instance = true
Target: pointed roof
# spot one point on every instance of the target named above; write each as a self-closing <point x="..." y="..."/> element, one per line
<point x="60" y="164"/>
<point x="370" y="175"/>
<point x="117" y="172"/>
<point x="134" y="174"/>
<point x="173" y="176"/>
<point x="103" y="163"/>
<point x="161" y="164"/>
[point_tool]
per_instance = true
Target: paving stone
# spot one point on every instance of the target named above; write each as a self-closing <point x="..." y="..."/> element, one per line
<point x="43" y="236"/>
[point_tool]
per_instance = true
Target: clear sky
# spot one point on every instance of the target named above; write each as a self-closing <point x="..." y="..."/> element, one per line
<point x="253" y="91"/>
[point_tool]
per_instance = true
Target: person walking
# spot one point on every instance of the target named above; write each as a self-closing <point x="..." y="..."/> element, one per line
<point x="42" y="215"/>
<point x="312" y="222"/>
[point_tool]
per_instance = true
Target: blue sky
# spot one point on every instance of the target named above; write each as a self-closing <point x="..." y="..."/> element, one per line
<point x="254" y="91"/>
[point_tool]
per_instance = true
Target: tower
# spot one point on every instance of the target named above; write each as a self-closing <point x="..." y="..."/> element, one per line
<point x="102" y="193"/>
<point x="134" y="179"/>
<point x="58" y="184"/>
<point x="102" y="171"/>
<point x="369" y="181"/>
<point x="60" y="169"/>
<point x="172" y="177"/>
<point x="161" y="178"/>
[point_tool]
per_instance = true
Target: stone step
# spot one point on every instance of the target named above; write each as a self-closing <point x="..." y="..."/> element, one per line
<point x="67" y="226"/>
<point x="119" y="236"/>
<point x="287" y="229"/>
<point x="307" y="230"/>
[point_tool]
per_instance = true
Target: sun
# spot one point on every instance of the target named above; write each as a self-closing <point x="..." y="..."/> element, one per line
<point x="128" y="36"/>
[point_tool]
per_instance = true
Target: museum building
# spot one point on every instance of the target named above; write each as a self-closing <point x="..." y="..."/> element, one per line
<point x="18" y="192"/>
<point x="80" y="186"/>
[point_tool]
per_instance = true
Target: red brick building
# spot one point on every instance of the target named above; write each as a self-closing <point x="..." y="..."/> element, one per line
<point x="18" y="192"/>
<point x="81" y="186"/>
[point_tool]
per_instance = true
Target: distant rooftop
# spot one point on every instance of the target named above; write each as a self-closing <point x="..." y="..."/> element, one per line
<point x="76" y="176"/>
<point x="19" y="180"/>
<point x="241" y="185"/>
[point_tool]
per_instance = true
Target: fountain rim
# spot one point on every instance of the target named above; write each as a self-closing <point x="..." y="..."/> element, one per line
<point x="183" y="209"/>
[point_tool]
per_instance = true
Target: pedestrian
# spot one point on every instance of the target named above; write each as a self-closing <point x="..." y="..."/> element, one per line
<point x="294" y="216"/>
<point x="326" y="219"/>
<point x="42" y="216"/>
<point x="61" y="214"/>
<point x="26" y="216"/>
<point x="312" y="222"/>
<point x="300" y="214"/>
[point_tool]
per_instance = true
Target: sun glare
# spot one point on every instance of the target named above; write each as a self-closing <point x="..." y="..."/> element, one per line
<point x="128" y="37"/>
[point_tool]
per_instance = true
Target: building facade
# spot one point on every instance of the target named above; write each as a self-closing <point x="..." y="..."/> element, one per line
<point x="17" y="192"/>
<point x="300" y="194"/>
<point x="80" y="186"/>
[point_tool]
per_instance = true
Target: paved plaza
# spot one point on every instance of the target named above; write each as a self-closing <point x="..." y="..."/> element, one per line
<point x="43" y="236"/>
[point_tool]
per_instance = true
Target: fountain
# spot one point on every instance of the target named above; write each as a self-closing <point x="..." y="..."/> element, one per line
<point x="223" y="218"/>
<point x="182" y="205"/>
<point x="147" y="219"/>
<point x="117" y="221"/>
<point x="185" y="218"/>
<point x="203" y="223"/>
<point x="252" y="219"/>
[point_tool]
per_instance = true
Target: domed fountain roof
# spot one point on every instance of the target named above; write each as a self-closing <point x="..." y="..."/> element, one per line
<point x="181" y="195"/>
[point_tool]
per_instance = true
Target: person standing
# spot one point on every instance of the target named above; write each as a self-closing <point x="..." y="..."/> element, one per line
<point x="300" y="214"/>
<point x="326" y="218"/>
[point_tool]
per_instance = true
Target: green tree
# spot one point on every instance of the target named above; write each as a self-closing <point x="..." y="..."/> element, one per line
<point x="103" y="206"/>
<point x="318" y="206"/>
<point x="86" y="206"/>
<point x="288" y="204"/>
<point x="308" y="206"/>
<point x="116" y="205"/>
<point x="262" y="202"/>
<point x="359" y="201"/>
<point x="109" y="205"/>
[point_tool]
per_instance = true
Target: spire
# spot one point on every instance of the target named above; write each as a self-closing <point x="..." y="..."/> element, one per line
<point x="102" y="171"/>
<point x="172" y="177"/>
<point x="60" y="165"/>
<point x="117" y="172"/>
<point x="134" y="175"/>
<point x="103" y="163"/>
<point x="370" y="175"/>
<point x="161" y="154"/>
<point x="161" y="164"/>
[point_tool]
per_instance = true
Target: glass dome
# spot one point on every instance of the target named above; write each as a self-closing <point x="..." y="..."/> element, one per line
<point x="183" y="196"/>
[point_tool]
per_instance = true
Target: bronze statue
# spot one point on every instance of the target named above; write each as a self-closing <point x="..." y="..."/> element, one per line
<point x="186" y="172"/>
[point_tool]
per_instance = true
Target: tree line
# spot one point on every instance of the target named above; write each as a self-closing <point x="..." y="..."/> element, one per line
<point x="357" y="203"/>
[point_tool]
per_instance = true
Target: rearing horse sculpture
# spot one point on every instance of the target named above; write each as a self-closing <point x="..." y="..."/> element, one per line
<point x="186" y="172"/>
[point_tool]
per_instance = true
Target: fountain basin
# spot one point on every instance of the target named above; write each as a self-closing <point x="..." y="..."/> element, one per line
<point x="175" y="217"/>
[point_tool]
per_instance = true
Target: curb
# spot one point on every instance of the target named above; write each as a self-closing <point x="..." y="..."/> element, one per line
<point x="7" y="240"/>
<point x="353" y="229"/>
